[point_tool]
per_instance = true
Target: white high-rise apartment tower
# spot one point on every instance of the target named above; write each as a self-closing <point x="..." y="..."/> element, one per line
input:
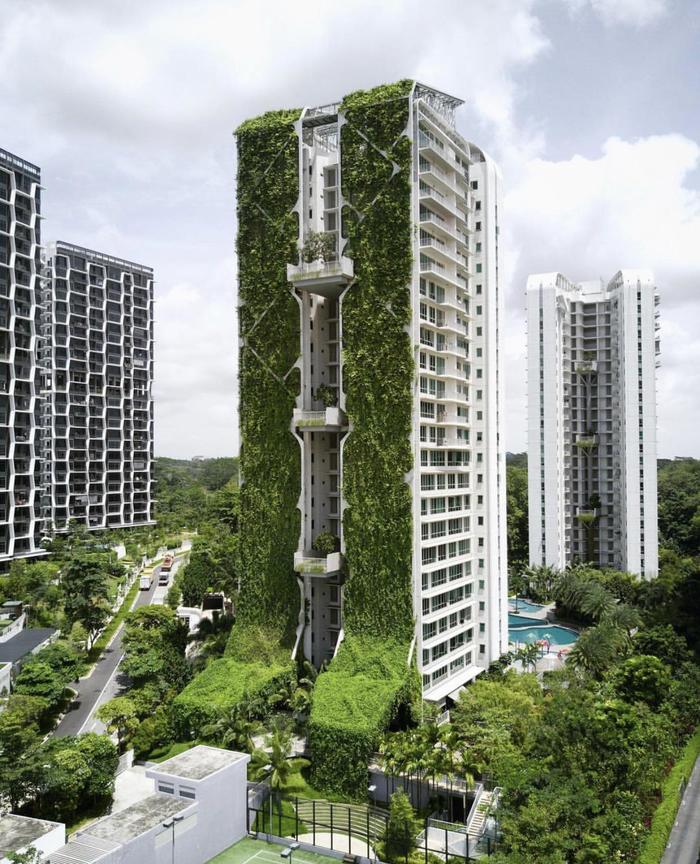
<point x="447" y="197"/>
<point x="592" y="357"/>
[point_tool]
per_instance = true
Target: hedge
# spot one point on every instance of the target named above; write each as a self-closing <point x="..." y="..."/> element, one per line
<point x="354" y="702"/>
<point x="378" y="365"/>
<point x="223" y="685"/>
<point x="270" y="463"/>
<point x="665" y="814"/>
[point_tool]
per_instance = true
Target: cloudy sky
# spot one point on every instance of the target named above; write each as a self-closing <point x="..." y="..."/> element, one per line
<point x="592" y="108"/>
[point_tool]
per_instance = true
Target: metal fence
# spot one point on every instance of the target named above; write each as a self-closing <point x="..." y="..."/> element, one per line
<point x="356" y="829"/>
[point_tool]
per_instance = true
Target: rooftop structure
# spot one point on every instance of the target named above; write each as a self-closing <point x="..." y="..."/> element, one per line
<point x="18" y="833"/>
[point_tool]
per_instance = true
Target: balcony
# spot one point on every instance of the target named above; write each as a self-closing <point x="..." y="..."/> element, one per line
<point x="313" y="564"/>
<point x="587" y="367"/>
<point x="586" y="441"/>
<point x="586" y="516"/>
<point x="332" y="419"/>
<point x="327" y="278"/>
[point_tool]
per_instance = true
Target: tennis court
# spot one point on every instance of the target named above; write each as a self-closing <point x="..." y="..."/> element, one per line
<point x="249" y="851"/>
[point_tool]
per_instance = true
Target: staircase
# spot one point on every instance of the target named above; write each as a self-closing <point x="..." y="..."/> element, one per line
<point x="477" y="819"/>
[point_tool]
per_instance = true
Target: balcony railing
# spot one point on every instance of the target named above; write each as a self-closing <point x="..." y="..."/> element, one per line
<point x="331" y="418"/>
<point x="312" y="564"/>
<point x="321" y="276"/>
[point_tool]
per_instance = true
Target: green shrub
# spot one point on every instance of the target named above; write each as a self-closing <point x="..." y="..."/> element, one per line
<point x="268" y="153"/>
<point x="665" y="814"/>
<point x="224" y="684"/>
<point x="353" y="704"/>
<point x="378" y="368"/>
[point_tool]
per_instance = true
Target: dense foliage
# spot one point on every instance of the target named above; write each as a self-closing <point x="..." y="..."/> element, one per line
<point x="359" y="696"/>
<point x="517" y="516"/>
<point x="378" y="367"/>
<point x="268" y="153"/>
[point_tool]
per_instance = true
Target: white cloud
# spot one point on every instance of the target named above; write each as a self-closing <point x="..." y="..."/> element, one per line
<point x="634" y="13"/>
<point x="129" y="105"/>
<point x="630" y="207"/>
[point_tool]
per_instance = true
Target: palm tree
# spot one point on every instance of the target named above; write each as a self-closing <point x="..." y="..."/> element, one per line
<point x="597" y="602"/>
<point x="528" y="655"/>
<point x="234" y="731"/>
<point x="596" y="649"/>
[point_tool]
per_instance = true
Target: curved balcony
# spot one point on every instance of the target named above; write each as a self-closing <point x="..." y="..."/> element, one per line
<point x="332" y="419"/>
<point x="326" y="278"/>
<point x="313" y="564"/>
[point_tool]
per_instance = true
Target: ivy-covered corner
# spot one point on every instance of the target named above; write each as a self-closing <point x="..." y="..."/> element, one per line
<point x="369" y="679"/>
<point x="268" y="153"/>
<point x="354" y="702"/>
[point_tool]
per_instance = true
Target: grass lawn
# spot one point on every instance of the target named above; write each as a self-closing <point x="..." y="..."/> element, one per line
<point x="298" y="783"/>
<point x="281" y="825"/>
<point x="167" y="751"/>
<point x="249" y="851"/>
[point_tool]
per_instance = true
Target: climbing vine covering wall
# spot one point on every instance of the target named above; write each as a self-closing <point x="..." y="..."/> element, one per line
<point x="269" y="327"/>
<point x="378" y="361"/>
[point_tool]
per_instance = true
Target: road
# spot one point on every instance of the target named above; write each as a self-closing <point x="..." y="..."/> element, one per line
<point x="104" y="676"/>
<point x="684" y="843"/>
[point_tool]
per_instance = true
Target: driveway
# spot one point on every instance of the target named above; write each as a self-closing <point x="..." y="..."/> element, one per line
<point x="684" y="843"/>
<point x="102" y="684"/>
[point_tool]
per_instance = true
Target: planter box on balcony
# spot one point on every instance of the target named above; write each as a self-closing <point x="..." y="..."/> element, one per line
<point x="314" y="564"/>
<point x="326" y="278"/>
<point x="331" y="418"/>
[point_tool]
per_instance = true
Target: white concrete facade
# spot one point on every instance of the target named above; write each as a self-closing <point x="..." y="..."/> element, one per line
<point x="592" y="358"/>
<point x="98" y="406"/>
<point x="197" y="808"/>
<point x="21" y="520"/>
<point x="458" y="476"/>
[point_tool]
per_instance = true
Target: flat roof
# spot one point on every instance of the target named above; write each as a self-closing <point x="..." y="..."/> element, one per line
<point x="17" y="832"/>
<point x="137" y="819"/>
<point x="18" y="162"/>
<point x="198" y="762"/>
<point x="62" y="248"/>
<point x="24" y="643"/>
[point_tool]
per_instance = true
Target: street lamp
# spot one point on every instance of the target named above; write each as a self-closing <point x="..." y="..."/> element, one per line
<point x="170" y="823"/>
<point x="287" y="853"/>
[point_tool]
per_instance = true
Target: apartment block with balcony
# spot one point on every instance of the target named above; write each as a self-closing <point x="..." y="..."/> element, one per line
<point x="592" y="358"/>
<point x="98" y="406"/>
<point x="457" y="480"/>
<point x="21" y="524"/>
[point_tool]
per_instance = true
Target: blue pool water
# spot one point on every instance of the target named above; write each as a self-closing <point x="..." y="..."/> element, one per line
<point x="523" y="605"/>
<point x="553" y="633"/>
<point x="522" y="621"/>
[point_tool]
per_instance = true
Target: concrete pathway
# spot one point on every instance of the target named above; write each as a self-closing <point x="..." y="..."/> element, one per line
<point x="683" y="845"/>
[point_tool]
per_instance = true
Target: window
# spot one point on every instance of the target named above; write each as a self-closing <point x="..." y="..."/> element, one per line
<point x="167" y="788"/>
<point x="477" y="227"/>
<point x="475" y="184"/>
<point x="187" y="792"/>
<point x="477" y="205"/>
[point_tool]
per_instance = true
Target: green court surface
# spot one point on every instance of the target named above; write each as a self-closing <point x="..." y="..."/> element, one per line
<point x="249" y="851"/>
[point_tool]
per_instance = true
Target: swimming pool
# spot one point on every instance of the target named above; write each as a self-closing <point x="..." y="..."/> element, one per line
<point x="523" y="605"/>
<point x="522" y="621"/>
<point x="552" y="633"/>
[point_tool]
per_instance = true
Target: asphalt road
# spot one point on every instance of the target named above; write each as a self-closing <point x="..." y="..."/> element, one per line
<point x="102" y="678"/>
<point x="684" y="843"/>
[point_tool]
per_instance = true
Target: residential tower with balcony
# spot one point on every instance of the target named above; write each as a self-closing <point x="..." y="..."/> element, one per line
<point x="454" y="478"/>
<point x="21" y="523"/>
<point x="97" y="407"/>
<point x="592" y="358"/>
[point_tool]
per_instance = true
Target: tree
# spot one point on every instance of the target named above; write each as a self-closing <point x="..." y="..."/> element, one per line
<point x="154" y="644"/>
<point x="37" y="678"/>
<point x="119" y="715"/>
<point x="541" y="582"/>
<point x="31" y="855"/>
<point x="401" y="828"/>
<point x="19" y="734"/>
<point x="643" y="678"/>
<point x="517" y="510"/>
<point x="85" y="592"/>
<point x="596" y="649"/>
<point x="663" y="642"/>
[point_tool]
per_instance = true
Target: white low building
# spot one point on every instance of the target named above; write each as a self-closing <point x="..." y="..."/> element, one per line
<point x="19" y="833"/>
<point x="197" y="809"/>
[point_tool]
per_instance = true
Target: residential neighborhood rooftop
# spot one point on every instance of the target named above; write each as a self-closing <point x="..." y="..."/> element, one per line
<point x="18" y="832"/>
<point x="199" y="762"/>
